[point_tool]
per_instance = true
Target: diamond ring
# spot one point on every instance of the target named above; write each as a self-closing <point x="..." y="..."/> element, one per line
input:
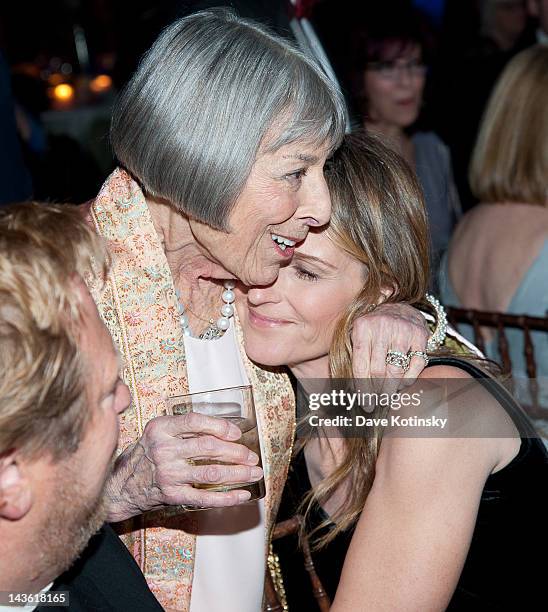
<point x="398" y="359"/>
<point x="422" y="354"/>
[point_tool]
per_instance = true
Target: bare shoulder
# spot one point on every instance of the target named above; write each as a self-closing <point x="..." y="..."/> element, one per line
<point x="468" y="401"/>
<point x="415" y="469"/>
<point x="464" y="425"/>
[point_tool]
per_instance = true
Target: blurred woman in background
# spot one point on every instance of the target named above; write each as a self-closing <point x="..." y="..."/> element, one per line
<point x="389" y="75"/>
<point x="498" y="258"/>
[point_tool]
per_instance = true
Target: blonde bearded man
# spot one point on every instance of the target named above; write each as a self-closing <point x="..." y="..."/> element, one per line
<point x="60" y="399"/>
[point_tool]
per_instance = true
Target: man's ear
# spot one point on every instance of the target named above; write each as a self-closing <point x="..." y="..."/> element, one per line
<point x="16" y="497"/>
<point x="82" y="291"/>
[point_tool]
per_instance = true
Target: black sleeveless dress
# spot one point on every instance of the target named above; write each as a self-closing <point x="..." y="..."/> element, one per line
<point x="506" y="567"/>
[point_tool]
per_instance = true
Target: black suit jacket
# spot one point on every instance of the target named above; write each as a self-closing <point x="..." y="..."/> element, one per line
<point x="105" y="577"/>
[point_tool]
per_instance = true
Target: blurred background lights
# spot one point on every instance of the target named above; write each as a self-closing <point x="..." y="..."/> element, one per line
<point x="63" y="92"/>
<point x="100" y="83"/>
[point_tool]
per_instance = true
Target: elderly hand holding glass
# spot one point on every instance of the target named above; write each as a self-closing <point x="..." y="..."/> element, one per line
<point x="235" y="406"/>
<point x="160" y="469"/>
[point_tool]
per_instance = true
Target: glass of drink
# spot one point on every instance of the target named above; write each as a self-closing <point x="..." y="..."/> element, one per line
<point x="237" y="406"/>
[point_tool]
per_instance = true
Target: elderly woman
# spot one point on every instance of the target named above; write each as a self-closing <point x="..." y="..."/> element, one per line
<point x="221" y="134"/>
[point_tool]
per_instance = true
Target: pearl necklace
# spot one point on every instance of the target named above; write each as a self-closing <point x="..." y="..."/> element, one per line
<point x="216" y="328"/>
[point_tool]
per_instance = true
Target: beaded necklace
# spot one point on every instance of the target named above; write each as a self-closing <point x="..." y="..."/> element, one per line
<point x="216" y="328"/>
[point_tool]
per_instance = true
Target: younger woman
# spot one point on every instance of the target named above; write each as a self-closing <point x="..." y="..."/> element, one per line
<point x="442" y="521"/>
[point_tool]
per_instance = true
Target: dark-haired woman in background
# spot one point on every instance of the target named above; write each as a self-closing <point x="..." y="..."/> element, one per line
<point x="388" y="76"/>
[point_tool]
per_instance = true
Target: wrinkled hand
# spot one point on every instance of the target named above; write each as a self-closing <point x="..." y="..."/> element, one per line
<point x="397" y="327"/>
<point x="157" y="470"/>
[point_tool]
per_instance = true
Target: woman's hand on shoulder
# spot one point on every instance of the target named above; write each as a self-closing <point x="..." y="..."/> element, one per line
<point x="397" y="327"/>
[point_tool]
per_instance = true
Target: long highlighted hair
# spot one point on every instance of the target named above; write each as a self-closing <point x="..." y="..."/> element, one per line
<point x="379" y="219"/>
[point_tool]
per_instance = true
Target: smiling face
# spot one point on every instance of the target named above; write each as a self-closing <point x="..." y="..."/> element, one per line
<point x="284" y="195"/>
<point x="393" y="88"/>
<point x="292" y="321"/>
<point x="375" y="248"/>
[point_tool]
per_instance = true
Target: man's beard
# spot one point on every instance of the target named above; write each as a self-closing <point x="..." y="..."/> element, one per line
<point x="69" y="524"/>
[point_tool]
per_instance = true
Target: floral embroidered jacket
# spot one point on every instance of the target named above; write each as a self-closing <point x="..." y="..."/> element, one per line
<point x="139" y="306"/>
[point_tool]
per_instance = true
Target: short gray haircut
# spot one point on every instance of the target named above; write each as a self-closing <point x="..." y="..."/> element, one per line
<point x="192" y="119"/>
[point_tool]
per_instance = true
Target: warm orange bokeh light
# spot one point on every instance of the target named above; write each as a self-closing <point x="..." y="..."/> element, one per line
<point x="63" y="92"/>
<point x="100" y="83"/>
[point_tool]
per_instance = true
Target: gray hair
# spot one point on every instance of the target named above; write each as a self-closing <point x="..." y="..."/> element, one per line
<point x="190" y="123"/>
